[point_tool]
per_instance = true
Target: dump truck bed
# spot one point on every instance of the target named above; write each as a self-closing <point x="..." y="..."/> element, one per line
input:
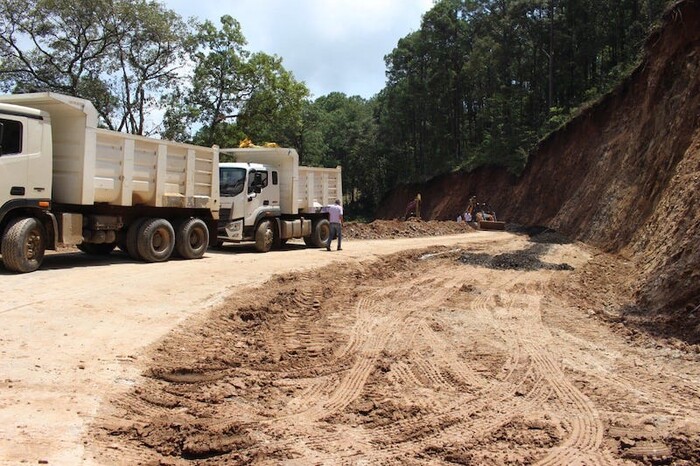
<point x="93" y="165"/>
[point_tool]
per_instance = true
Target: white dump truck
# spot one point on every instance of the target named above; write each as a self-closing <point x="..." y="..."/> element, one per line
<point x="268" y="198"/>
<point x="64" y="181"/>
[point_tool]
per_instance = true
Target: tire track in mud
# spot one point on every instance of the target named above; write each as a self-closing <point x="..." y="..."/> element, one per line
<point x="374" y="332"/>
<point x="379" y="316"/>
<point x="472" y="417"/>
<point x="409" y="435"/>
<point x="585" y="438"/>
<point x="522" y="325"/>
<point x="458" y="365"/>
<point x="466" y="418"/>
<point x="405" y="436"/>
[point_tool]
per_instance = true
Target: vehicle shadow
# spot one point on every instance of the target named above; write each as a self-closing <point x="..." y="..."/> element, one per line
<point x="69" y="260"/>
<point x="237" y="248"/>
<point x="73" y="259"/>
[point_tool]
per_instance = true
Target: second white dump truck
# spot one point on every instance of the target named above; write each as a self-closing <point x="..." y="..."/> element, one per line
<point x="64" y="181"/>
<point x="268" y="198"/>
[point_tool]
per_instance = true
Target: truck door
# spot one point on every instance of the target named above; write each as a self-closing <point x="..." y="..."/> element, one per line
<point x="14" y="165"/>
<point x="232" y="188"/>
<point x="257" y="195"/>
<point x="25" y="158"/>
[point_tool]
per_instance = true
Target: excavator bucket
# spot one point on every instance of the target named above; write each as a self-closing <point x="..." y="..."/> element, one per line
<point x="490" y="225"/>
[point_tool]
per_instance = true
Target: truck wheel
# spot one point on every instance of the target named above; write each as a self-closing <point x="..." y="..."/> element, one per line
<point x="132" y="239"/>
<point x="264" y="236"/>
<point x="319" y="235"/>
<point x="192" y="238"/>
<point x="23" y="245"/>
<point x="156" y="240"/>
<point x="102" y="249"/>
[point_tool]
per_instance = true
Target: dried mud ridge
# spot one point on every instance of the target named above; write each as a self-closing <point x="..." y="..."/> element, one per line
<point x="414" y="358"/>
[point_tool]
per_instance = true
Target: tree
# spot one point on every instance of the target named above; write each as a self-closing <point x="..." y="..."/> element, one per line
<point x="273" y="112"/>
<point x="150" y="52"/>
<point x="57" y="46"/>
<point x="119" y="54"/>
<point x="233" y="94"/>
<point x="221" y="80"/>
<point x="346" y="127"/>
<point x="482" y="80"/>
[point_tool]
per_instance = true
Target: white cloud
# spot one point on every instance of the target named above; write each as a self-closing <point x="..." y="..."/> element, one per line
<point x="332" y="45"/>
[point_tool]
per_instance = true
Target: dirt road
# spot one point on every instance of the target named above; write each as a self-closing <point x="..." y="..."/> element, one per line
<point x="469" y="349"/>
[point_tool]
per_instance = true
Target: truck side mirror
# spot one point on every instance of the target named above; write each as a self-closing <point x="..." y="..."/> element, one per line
<point x="2" y="135"/>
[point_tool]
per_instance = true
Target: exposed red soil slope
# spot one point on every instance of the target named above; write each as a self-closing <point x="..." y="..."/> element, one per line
<point x="624" y="175"/>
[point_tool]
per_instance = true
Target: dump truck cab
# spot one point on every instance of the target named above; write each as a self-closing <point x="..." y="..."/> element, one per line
<point x="25" y="161"/>
<point x="249" y="193"/>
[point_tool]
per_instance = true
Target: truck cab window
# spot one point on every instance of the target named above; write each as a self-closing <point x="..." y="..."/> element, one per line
<point x="231" y="181"/>
<point x="258" y="179"/>
<point x="11" y="142"/>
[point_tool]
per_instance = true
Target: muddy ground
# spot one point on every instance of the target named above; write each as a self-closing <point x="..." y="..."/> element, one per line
<point x="513" y="349"/>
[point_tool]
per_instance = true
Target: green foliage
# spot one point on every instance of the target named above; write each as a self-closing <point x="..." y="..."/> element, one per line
<point x="274" y="111"/>
<point x="483" y="80"/>
<point x="342" y="133"/>
<point x="233" y="94"/>
<point x="119" y="54"/>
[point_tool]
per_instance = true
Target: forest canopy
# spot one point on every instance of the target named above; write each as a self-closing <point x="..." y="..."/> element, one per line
<point x="478" y="84"/>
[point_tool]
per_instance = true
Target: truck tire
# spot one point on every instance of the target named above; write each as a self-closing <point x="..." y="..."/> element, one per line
<point x="192" y="238"/>
<point x="264" y="236"/>
<point x="102" y="249"/>
<point x="156" y="240"/>
<point x="23" y="245"/>
<point x="319" y="234"/>
<point x="132" y="237"/>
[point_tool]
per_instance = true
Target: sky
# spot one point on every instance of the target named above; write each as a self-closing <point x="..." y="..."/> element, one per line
<point x="331" y="45"/>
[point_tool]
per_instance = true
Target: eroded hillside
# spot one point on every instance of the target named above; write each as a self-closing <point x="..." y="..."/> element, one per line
<point x="624" y="175"/>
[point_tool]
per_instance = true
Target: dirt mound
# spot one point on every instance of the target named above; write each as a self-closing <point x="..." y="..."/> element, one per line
<point x="622" y="176"/>
<point x="412" y="228"/>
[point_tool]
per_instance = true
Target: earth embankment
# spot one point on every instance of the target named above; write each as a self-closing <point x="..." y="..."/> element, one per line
<point x="624" y="175"/>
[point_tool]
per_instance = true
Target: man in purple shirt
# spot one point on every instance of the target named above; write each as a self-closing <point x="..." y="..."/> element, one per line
<point x="335" y="216"/>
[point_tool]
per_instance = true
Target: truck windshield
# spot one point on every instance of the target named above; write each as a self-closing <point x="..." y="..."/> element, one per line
<point x="231" y="181"/>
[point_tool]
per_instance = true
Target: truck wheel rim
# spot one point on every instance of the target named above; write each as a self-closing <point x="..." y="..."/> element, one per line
<point x="32" y="245"/>
<point x="160" y="240"/>
<point x="196" y="238"/>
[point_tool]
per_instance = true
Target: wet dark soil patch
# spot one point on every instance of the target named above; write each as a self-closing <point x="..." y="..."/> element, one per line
<point x="527" y="259"/>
